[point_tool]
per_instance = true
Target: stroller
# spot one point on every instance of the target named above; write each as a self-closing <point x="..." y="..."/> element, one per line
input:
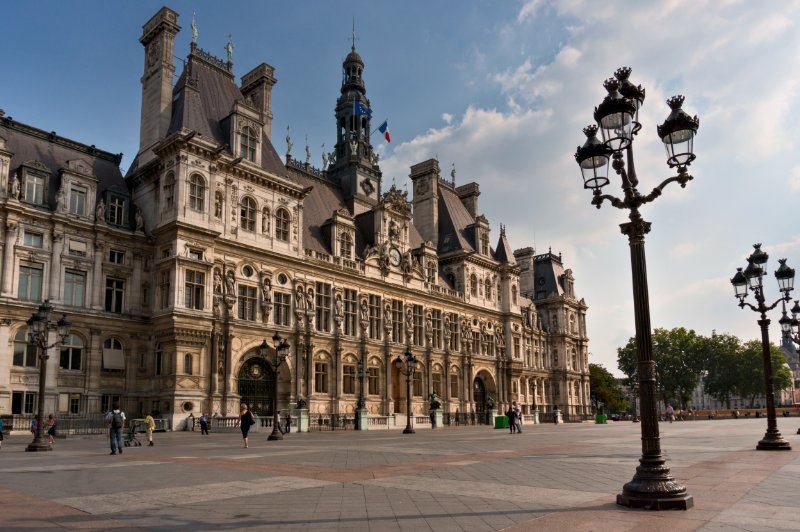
<point x="130" y="437"/>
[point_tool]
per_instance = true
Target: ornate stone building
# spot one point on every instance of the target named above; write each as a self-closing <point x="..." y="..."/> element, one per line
<point x="175" y="274"/>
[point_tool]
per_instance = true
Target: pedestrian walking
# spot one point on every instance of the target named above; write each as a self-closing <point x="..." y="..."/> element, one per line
<point x="517" y="415"/>
<point x="204" y="424"/>
<point x="51" y="429"/>
<point x="115" y="421"/>
<point x="34" y="424"/>
<point x="670" y="413"/>
<point x="288" y="424"/>
<point x="246" y="420"/>
<point x="512" y="421"/>
<point x="150" y="427"/>
<point x="555" y="415"/>
<point x="1" y="432"/>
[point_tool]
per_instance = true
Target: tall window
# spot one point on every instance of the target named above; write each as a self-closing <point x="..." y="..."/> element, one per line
<point x="436" y="322"/>
<point x="74" y="288"/>
<point x="163" y="288"/>
<point x="187" y="364"/>
<point x="323" y="307"/>
<point x="197" y="192"/>
<point x="514" y="295"/>
<point x="247" y="302"/>
<point x="248" y="143"/>
<point x="419" y="336"/>
<point x="454" y="391"/>
<point x="375" y="317"/>
<point x="34" y="189"/>
<point x="345" y="245"/>
<point x="473" y="285"/>
<point x="247" y="219"/>
<point x="116" y="211"/>
<point x="282" y="225"/>
<point x="158" y="361"/>
<point x="282" y="304"/>
<point x="430" y="271"/>
<point x="436" y="381"/>
<point x="349" y="379"/>
<point x="24" y="352"/>
<point x="169" y="190"/>
<point x="115" y="290"/>
<point x="320" y="377"/>
<point x="418" y="382"/>
<point x="350" y="304"/>
<point x="484" y="243"/>
<point x="30" y="282"/>
<point x="77" y="201"/>
<point x="516" y="347"/>
<point x="195" y="286"/>
<point x="397" y="321"/>
<point x="454" y="331"/>
<point x="113" y="357"/>
<point x="373" y="381"/>
<point x="71" y="352"/>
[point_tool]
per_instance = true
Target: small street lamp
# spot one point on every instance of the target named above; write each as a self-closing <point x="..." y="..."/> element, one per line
<point x="281" y="347"/>
<point x="617" y="120"/>
<point x="752" y="277"/>
<point x="38" y="328"/>
<point x="406" y="365"/>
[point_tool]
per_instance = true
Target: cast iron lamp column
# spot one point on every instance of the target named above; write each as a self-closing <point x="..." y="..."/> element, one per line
<point x="792" y="329"/>
<point x="38" y="327"/>
<point x="652" y="487"/>
<point x="406" y="366"/>
<point x="752" y="276"/>
<point x="281" y="352"/>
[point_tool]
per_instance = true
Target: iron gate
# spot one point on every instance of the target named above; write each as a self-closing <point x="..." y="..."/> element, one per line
<point x="257" y="386"/>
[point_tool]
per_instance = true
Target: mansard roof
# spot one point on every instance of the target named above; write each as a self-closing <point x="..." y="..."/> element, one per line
<point x="550" y="268"/>
<point x="504" y="253"/>
<point x="48" y="150"/>
<point x="204" y="97"/>
<point x="453" y="221"/>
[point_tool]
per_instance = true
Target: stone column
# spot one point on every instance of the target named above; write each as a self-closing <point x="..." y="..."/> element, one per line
<point x="96" y="289"/>
<point x="55" y="268"/>
<point x="12" y="229"/>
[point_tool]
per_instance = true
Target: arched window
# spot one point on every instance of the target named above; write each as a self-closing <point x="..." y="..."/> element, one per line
<point x="71" y="353"/>
<point x="187" y="364"/>
<point x="247" y="220"/>
<point x="248" y="144"/>
<point x="113" y="357"/>
<point x="282" y="225"/>
<point x="514" y="295"/>
<point x="169" y="190"/>
<point x="345" y="245"/>
<point x="473" y="285"/>
<point x="197" y="192"/>
<point x="24" y="352"/>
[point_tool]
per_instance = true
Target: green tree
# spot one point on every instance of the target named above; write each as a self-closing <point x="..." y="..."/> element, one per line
<point x="605" y="390"/>
<point x="722" y="354"/>
<point x="678" y="354"/>
<point x="751" y="370"/>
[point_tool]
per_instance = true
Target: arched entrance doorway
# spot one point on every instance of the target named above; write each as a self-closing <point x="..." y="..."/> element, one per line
<point x="484" y="393"/>
<point x="257" y="386"/>
<point x="479" y="393"/>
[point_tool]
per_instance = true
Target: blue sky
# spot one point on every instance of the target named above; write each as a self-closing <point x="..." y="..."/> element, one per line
<point x="501" y="89"/>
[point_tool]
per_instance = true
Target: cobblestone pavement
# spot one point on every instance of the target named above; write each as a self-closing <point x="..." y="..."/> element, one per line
<point x="549" y="477"/>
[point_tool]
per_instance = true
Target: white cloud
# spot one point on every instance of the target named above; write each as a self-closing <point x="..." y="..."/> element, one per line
<point x="794" y="178"/>
<point x="529" y="10"/>
<point x="447" y="117"/>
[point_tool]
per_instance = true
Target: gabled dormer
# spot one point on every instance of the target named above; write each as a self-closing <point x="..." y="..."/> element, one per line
<point x="340" y="233"/>
<point x="77" y="191"/>
<point x="478" y="233"/>
<point x="244" y="127"/>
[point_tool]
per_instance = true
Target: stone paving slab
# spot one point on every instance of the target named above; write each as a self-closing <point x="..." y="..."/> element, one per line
<point x="459" y="479"/>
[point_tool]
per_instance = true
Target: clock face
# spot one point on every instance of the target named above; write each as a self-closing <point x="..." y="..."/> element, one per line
<point x="394" y="257"/>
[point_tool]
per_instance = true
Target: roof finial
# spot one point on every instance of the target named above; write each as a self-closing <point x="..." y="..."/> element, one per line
<point x="453" y="174"/>
<point x="288" y="142"/>
<point x="308" y="151"/>
<point x="354" y="33"/>
<point x="195" y="33"/>
<point x="502" y="230"/>
<point x="229" y="49"/>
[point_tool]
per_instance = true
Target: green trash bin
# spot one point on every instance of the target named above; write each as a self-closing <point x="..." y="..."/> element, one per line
<point x="501" y="422"/>
<point x="601" y="419"/>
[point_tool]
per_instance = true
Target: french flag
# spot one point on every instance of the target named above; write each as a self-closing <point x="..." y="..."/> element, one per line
<point x="384" y="128"/>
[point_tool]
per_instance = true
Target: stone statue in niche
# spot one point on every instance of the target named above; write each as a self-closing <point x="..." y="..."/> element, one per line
<point x="230" y="283"/>
<point x="61" y="198"/>
<point x="299" y="299"/>
<point x="100" y="211"/>
<point x="15" y="188"/>
<point x="139" y="220"/>
<point x="218" y="205"/>
<point x="447" y="325"/>
<point x="310" y="300"/>
<point x="217" y="281"/>
<point x="265" y="220"/>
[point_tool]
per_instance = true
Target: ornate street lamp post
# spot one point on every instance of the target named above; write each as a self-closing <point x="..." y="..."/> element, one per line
<point x="362" y="402"/>
<point x="281" y="347"/>
<point x="617" y="117"/>
<point x="792" y="329"/>
<point x="406" y="366"/>
<point x="38" y="328"/>
<point x="752" y="277"/>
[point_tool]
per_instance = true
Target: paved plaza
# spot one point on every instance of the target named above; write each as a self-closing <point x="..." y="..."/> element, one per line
<point x="549" y="477"/>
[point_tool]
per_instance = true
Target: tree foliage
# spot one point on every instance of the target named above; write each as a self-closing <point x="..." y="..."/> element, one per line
<point x="605" y="390"/>
<point x="751" y="370"/>
<point x="722" y="353"/>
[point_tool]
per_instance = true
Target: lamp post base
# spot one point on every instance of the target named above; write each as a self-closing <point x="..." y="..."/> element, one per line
<point x="276" y="435"/>
<point x="408" y="430"/>
<point x="38" y="444"/>
<point x="654" y="488"/>
<point x="773" y="441"/>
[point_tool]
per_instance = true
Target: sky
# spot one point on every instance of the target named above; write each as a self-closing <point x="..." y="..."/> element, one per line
<point x="502" y="91"/>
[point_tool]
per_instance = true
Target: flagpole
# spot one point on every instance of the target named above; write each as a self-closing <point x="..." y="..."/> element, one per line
<point x="385" y="120"/>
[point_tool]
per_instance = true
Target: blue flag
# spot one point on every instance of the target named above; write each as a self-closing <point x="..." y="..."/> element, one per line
<point x="362" y="109"/>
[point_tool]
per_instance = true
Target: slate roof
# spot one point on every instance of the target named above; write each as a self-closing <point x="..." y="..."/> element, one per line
<point x="453" y="221"/>
<point x="28" y="143"/>
<point x="504" y="253"/>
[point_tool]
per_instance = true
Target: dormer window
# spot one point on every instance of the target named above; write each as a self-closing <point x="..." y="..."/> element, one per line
<point x="345" y="245"/>
<point x="116" y="211"/>
<point x="484" y="243"/>
<point x="77" y="201"/>
<point x="247" y="143"/>
<point x="282" y="225"/>
<point x="34" y="189"/>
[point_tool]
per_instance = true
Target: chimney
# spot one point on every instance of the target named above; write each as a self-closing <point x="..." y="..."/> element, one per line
<point x="468" y="194"/>
<point x="257" y="86"/>
<point x="425" y="179"/>
<point x="158" y="39"/>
